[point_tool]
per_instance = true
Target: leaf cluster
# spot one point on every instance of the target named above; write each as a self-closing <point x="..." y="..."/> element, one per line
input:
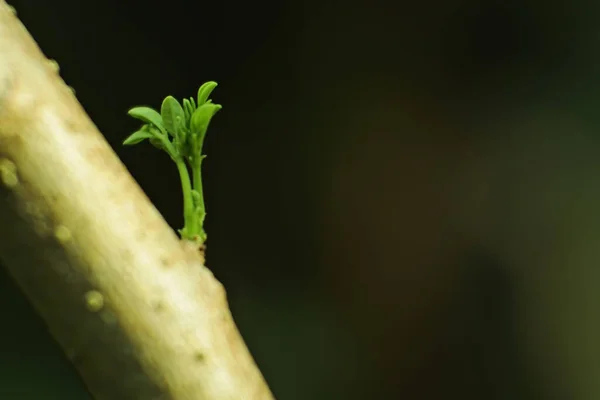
<point x="179" y="129"/>
<point x="182" y="125"/>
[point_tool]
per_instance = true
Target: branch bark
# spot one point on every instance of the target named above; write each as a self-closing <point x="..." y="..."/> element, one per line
<point x="135" y="310"/>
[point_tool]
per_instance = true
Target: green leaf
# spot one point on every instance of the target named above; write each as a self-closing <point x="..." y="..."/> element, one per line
<point x="173" y="116"/>
<point x="202" y="117"/>
<point x="196" y="198"/>
<point x="205" y="91"/>
<point x="199" y="211"/>
<point x="190" y="104"/>
<point x="180" y="143"/>
<point x="137" y="137"/>
<point x="156" y="142"/>
<point x="188" y="111"/>
<point x="149" y="116"/>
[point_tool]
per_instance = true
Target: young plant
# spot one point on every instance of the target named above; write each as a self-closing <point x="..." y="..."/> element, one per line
<point x="179" y="129"/>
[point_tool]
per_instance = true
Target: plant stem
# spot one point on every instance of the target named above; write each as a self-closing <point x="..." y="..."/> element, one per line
<point x="189" y="227"/>
<point x="197" y="179"/>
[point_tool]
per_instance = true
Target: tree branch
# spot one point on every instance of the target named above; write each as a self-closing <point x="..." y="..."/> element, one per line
<point x="133" y="307"/>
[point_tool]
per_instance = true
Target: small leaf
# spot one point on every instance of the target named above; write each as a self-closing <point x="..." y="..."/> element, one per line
<point x="183" y="232"/>
<point x="180" y="142"/>
<point x="199" y="211"/>
<point x="202" y="117"/>
<point x="156" y="142"/>
<point x="196" y="198"/>
<point x="148" y="115"/>
<point x="173" y="116"/>
<point x="188" y="111"/>
<point x="205" y="91"/>
<point x="200" y="215"/>
<point x="191" y="103"/>
<point x="193" y="108"/>
<point x="137" y="137"/>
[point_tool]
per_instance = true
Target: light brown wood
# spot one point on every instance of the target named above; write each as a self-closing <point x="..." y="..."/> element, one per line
<point x="134" y="308"/>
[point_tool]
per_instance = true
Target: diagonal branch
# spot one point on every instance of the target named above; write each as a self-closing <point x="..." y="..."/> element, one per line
<point x="134" y="308"/>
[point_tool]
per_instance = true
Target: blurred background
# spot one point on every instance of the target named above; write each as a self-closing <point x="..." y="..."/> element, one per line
<point x="402" y="197"/>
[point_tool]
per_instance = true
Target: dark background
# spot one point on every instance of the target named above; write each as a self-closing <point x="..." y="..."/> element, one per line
<point x="402" y="196"/>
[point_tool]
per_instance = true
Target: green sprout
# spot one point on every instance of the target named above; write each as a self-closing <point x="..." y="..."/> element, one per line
<point x="179" y="129"/>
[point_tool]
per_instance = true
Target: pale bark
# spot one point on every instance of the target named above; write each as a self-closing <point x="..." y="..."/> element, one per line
<point x="135" y="310"/>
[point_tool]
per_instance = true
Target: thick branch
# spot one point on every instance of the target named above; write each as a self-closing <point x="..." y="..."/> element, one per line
<point x="135" y="310"/>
